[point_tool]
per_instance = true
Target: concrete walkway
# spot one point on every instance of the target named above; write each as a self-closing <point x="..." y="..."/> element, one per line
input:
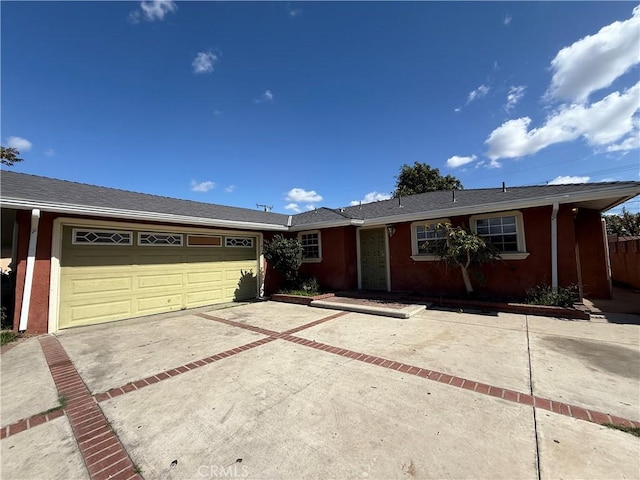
<point x="273" y="390"/>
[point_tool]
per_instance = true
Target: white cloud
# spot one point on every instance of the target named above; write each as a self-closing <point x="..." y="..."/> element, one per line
<point x="217" y="113"/>
<point x="202" y="186"/>
<point x="266" y="97"/>
<point x="506" y="19"/>
<point x="292" y="206"/>
<point x="299" y="195"/>
<point x="563" y="180"/>
<point x="20" y="143"/>
<point x="479" y="92"/>
<point x="595" y="61"/>
<point x="49" y="152"/>
<point x="157" y="9"/>
<point x="152" y="10"/>
<point x="601" y="124"/>
<point x="230" y="189"/>
<point x="204" y="62"/>
<point x="456" y="161"/>
<point x="514" y="96"/>
<point x="371" y="197"/>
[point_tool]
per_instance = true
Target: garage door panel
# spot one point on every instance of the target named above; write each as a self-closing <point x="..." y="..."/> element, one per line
<point x="146" y="281"/>
<point x="205" y="297"/>
<point x="196" y="278"/>
<point x="158" y="303"/>
<point x="107" y="285"/>
<point x="101" y="283"/>
<point x="159" y="256"/>
<point x="93" y="259"/>
<point x="96" y="311"/>
<point x="239" y="255"/>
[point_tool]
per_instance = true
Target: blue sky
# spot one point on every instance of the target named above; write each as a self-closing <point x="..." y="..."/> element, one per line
<point x="309" y="104"/>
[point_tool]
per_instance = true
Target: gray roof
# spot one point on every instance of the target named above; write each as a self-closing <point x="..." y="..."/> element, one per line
<point x="442" y="201"/>
<point x="31" y="191"/>
<point x="63" y="192"/>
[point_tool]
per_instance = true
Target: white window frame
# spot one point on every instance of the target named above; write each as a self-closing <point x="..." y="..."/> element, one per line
<point x="317" y="259"/>
<point x="522" y="253"/>
<point x="140" y="244"/>
<point x="253" y="241"/>
<point x="415" y="250"/>
<point x="94" y="230"/>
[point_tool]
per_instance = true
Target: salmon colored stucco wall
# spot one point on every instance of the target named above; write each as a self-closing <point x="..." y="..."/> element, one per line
<point x="39" y="304"/>
<point x="338" y="268"/>
<point x="591" y="242"/>
<point x="508" y="278"/>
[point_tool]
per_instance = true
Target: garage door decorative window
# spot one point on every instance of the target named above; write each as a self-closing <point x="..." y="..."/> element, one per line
<point x="242" y="242"/>
<point x="165" y="239"/>
<point x="101" y="237"/>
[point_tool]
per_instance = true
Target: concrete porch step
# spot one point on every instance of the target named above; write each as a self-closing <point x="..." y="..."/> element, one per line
<point x="370" y="306"/>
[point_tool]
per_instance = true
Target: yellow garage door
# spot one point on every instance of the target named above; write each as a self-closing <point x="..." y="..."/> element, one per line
<point x="109" y="275"/>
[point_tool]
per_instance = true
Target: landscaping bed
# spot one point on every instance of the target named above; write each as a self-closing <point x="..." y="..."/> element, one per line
<point x="299" y="299"/>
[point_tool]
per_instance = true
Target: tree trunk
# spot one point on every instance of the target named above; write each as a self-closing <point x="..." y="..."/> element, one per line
<point x="467" y="280"/>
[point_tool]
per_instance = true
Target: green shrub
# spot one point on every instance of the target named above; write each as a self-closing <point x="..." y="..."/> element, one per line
<point x="7" y="336"/>
<point x="545" y="295"/>
<point x="285" y="256"/>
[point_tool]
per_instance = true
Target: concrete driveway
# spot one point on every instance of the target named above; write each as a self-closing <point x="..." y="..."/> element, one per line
<point x="272" y="390"/>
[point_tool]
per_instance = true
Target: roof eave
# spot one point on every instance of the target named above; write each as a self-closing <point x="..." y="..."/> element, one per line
<point x="22" y="204"/>
<point x="622" y="194"/>
<point x="329" y="224"/>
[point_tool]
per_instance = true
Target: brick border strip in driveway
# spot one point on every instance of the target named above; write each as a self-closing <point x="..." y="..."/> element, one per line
<point x="104" y="455"/>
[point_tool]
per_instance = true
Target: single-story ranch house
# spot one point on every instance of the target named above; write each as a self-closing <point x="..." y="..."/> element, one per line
<point x="85" y="254"/>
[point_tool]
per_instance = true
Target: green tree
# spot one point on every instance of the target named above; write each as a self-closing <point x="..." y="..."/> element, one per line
<point x="465" y="250"/>
<point x="625" y="225"/>
<point x="285" y="256"/>
<point x="9" y="156"/>
<point x="421" y="178"/>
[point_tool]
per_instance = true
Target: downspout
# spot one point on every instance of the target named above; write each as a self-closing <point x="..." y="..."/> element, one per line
<point x="28" y="279"/>
<point x="554" y="247"/>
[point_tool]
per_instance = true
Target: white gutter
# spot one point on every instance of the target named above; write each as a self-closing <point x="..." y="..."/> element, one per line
<point x="137" y="215"/>
<point x="575" y="197"/>
<point x="28" y="279"/>
<point x="333" y="223"/>
<point x="554" y="246"/>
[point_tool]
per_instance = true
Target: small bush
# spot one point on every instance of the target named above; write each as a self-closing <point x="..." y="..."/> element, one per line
<point x="285" y="255"/>
<point x="307" y="286"/>
<point x="545" y="295"/>
<point x="8" y="336"/>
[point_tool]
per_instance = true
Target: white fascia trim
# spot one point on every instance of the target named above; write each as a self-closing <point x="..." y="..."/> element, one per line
<point x="610" y="192"/>
<point x="331" y="224"/>
<point x="137" y="215"/>
<point x="31" y="261"/>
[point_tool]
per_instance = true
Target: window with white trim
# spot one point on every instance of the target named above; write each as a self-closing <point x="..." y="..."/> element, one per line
<point x="81" y="236"/>
<point x="311" y="246"/>
<point x="238" y="242"/>
<point x="505" y="230"/>
<point x="159" y="239"/>
<point x="427" y="239"/>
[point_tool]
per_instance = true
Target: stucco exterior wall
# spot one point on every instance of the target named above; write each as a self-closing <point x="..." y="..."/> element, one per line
<point x="592" y="249"/>
<point x="507" y="278"/>
<point x="39" y="304"/>
<point x="338" y="268"/>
